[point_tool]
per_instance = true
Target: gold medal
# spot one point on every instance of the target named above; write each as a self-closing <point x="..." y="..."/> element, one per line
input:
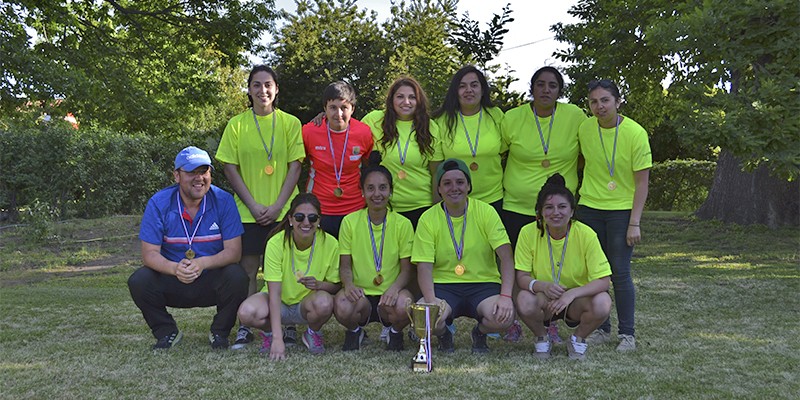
<point x="378" y="280"/>
<point x="473" y="166"/>
<point x="298" y="274"/>
<point x="612" y="185"/>
<point x="545" y="163"/>
<point x="338" y="192"/>
<point x="460" y="269"/>
<point x="269" y="169"/>
<point x="189" y="254"/>
<point x="402" y="174"/>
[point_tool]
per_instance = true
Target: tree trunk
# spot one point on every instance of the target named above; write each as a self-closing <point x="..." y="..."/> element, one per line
<point x="750" y="198"/>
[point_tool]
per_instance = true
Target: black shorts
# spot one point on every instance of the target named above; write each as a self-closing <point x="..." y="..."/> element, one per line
<point x="562" y="315"/>
<point x="254" y="239"/>
<point x="331" y="224"/>
<point x="464" y="298"/>
<point x="514" y="223"/>
<point x="374" y="316"/>
<point x="413" y="215"/>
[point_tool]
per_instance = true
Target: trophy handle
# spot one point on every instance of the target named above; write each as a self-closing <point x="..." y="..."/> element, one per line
<point x="409" y="302"/>
<point x="442" y="305"/>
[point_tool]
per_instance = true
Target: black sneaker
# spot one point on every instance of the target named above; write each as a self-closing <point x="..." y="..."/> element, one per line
<point x="218" y="342"/>
<point x="395" y="341"/>
<point x="479" y="341"/>
<point x="446" y="344"/>
<point x="352" y="340"/>
<point x="290" y="336"/>
<point x="168" y="341"/>
<point x="243" y="337"/>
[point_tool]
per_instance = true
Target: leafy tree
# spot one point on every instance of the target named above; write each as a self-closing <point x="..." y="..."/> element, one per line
<point x="732" y="72"/>
<point x="326" y="41"/>
<point x="419" y="32"/>
<point x="482" y="46"/>
<point x="137" y="65"/>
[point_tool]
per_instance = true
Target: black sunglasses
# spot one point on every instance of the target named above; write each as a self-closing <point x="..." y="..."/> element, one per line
<point x="299" y="217"/>
<point x="603" y="83"/>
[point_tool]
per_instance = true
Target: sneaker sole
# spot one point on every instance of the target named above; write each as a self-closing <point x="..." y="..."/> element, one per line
<point x="174" y="342"/>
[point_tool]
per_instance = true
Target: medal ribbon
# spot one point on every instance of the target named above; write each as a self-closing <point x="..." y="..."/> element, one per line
<point x="338" y="174"/>
<point x="474" y="150"/>
<point x="183" y="223"/>
<point x="557" y="278"/>
<point x="405" y="151"/>
<point x="310" y="255"/>
<point x="459" y="247"/>
<point x="377" y="255"/>
<point x="545" y="146"/>
<point x="271" y="141"/>
<point x="613" y="151"/>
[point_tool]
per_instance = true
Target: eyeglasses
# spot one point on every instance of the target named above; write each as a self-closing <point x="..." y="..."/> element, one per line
<point x="299" y="217"/>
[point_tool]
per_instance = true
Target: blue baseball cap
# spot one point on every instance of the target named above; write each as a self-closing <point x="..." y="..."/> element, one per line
<point x="191" y="158"/>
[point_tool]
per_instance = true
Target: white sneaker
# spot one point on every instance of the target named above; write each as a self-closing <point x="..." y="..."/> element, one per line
<point x="542" y="347"/>
<point x="599" y="336"/>
<point x="385" y="334"/>
<point x="626" y="342"/>
<point x="576" y="347"/>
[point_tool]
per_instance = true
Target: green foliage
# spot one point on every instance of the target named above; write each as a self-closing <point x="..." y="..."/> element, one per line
<point x="327" y="41"/>
<point x="679" y="185"/>
<point x="417" y="32"/>
<point x="56" y="171"/>
<point x="125" y="65"/>
<point x="39" y="219"/>
<point x="481" y="46"/>
<point x="731" y="68"/>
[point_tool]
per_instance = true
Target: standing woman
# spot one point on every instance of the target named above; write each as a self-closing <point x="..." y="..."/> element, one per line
<point x="375" y="263"/>
<point x="301" y="268"/>
<point x="542" y="139"/>
<point x="409" y="145"/>
<point x="261" y="150"/>
<point x="336" y="149"/>
<point x="613" y="193"/>
<point x="469" y="125"/>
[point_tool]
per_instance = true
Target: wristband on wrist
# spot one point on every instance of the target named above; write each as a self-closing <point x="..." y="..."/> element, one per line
<point x="633" y="224"/>
<point x="505" y="295"/>
<point x="530" y="285"/>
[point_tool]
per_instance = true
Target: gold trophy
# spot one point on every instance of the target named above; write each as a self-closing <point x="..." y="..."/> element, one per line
<point x="423" y="318"/>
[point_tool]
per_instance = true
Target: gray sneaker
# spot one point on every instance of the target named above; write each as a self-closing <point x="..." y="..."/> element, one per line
<point x="599" y="336"/>
<point x="542" y="347"/>
<point x="243" y="337"/>
<point x="626" y="342"/>
<point x="576" y="348"/>
<point x="314" y="342"/>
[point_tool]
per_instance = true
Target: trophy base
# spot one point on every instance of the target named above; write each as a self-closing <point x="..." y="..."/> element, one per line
<point x="420" y="367"/>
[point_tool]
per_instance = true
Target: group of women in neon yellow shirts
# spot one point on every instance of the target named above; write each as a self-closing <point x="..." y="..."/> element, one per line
<point x="435" y="207"/>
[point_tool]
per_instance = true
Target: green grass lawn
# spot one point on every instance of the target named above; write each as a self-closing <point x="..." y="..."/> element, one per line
<point x="718" y="316"/>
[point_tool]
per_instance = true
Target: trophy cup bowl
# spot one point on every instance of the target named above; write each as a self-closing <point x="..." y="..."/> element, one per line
<point x="417" y="315"/>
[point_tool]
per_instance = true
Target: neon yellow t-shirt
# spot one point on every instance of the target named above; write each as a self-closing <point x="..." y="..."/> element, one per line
<point x="633" y="154"/>
<point x="240" y="145"/>
<point x="414" y="191"/>
<point x="355" y="241"/>
<point x="524" y="174"/>
<point x="487" y="181"/>
<point x="584" y="262"/>
<point x="485" y="233"/>
<point x="278" y="265"/>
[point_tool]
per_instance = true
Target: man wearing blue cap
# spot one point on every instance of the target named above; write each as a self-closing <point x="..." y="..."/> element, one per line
<point x="191" y="246"/>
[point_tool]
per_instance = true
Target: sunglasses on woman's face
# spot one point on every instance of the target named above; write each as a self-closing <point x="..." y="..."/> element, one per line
<point x="299" y="217"/>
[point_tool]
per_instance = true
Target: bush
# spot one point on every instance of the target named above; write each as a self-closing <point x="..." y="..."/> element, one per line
<point x="679" y="185"/>
<point x="86" y="173"/>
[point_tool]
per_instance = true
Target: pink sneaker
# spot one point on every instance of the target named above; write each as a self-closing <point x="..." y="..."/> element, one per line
<point x="313" y="341"/>
<point x="552" y="333"/>
<point x="267" y="343"/>
<point x="513" y="333"/>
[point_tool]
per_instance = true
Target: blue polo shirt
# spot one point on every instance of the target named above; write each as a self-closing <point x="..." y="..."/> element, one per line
<point x="161" y="223"/>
